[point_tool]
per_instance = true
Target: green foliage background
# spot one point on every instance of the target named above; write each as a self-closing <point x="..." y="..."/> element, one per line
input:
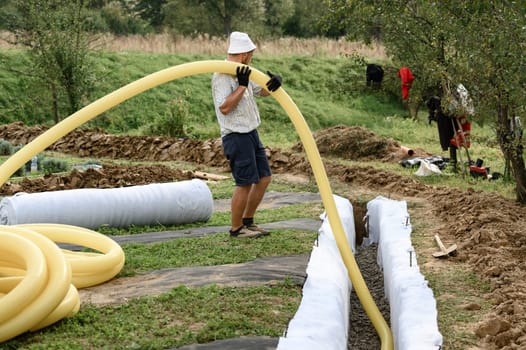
<point x="328" y="91"/>
<point x="337" y="83"/>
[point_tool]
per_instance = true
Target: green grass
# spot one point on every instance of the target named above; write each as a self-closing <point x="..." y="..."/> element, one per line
<point x="447" y="179"/>
<point x="181" y="316"/>
<point x="303" y="210"/>
<point x="188" y="315"/>
<point x="304" y="77"/>
<point x="223" y="189"/>
<point x="216" y="249"/>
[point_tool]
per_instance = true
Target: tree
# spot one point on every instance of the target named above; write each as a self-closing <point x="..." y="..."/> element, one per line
<point x="151" y="11"/>
<point x="478" y="44"/>
<point x="220" y="17"/>
<point x="58" y="44"/>
<point x="187" y="17"/>
<point x="302" y="23"/>
<point x="259" y="17"/>
<point x="238" y="14"/>
<point x="276" y="15"/>
<point x="492" y="58"/>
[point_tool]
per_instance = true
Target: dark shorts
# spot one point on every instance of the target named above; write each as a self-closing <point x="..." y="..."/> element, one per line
<point x="247" y="157"/>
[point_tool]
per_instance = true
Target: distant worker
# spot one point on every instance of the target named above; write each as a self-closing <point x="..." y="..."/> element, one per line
<point x="407" y="81"/>
<point x="461" y="107"/>
<point x="445" y="125"/>
<point x="374" y="75"/>
<point x="454" y="126"/>
<point x="238" y="117"/>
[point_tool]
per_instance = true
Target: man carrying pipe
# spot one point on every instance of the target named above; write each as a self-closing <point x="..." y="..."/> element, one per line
<point x="238" y="117"/>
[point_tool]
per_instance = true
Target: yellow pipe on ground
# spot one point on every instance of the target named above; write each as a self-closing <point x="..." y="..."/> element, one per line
<point x="88" y="269"/>
<point x="36" y="273"/>
<point x="43" y="141"/>
<point x="39" y="285"/>
<point x="359" y="285"/>
<point x="69" y="306"/>
<point x="43" y="287"/>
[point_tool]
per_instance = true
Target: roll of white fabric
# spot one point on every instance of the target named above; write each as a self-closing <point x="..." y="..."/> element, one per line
<point x="322" y="319"/>
<point x="414" y="320"/>
<point x="166" y="204"/>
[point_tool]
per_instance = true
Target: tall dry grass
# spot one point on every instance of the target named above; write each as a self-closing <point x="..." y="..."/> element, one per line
<point x="166" y="43"/>
<point x="207" y="45"/>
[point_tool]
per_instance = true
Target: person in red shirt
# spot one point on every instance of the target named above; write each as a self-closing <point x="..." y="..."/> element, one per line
<point x="407" y="81"/>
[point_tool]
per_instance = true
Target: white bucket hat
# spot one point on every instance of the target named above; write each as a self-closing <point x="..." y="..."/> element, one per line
<point x="240" y="43"/>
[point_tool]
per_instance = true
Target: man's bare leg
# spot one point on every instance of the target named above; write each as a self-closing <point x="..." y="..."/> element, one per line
<point x="257" y="191"/>
<point x="238" y="205"/>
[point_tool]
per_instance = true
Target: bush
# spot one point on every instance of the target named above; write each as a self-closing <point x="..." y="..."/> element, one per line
<point x="46" y="165"/>
<point x="51" y="165"/>
<point x="6" y="148"/>
<point x="21" y="171"/>
<point x="172" y="122"/>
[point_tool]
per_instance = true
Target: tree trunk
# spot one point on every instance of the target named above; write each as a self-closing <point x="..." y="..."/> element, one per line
<point x="54" y="100"/>
<point x="512" y="148"/>
<point x="227" y="24"/>
<point x="517" y="163"/>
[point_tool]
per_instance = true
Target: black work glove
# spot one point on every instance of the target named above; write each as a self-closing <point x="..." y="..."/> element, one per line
<point x="242" y="73"/>
<point x="274" y="82"/>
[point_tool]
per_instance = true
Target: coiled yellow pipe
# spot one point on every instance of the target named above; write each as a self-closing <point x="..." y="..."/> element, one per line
<point x="31" y="298"/>
<point x="118" y="96"/>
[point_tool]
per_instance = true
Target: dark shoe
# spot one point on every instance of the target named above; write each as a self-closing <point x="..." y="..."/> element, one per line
<point x="244" y="232"/>
<point x="261" y="230"/>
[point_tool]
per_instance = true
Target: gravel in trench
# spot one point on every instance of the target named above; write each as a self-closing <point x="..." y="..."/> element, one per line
<point x="362" y="334"/>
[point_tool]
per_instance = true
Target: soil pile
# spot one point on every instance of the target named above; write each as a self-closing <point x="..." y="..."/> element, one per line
<point x="95" y="143"/>
<point x="491" y="231"/>
<point x="109" y="176"/>
<point x="357" y="143"/>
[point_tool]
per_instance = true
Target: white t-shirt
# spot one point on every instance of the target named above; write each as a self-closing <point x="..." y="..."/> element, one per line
<point x="245" y="117"/>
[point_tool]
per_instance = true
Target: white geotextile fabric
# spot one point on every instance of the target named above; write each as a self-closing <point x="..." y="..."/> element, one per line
<point x="166" y="204"/>
<point x="412" y="304"/>
<point x="426" y="168"/>
<point x="322" y="319"/>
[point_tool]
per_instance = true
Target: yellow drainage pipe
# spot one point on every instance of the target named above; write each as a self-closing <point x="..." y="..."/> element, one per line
<point x="43" y="141"/>
<point x="33" y="298"/>
<point x="87" y="269"/>
<point x="39" y="281"/>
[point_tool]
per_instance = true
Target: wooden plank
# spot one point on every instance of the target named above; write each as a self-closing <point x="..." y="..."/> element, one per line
<point x="208" y="176"/>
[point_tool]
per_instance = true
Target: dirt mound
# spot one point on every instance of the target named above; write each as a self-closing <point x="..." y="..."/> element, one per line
<point x="491" y="232"/>
<point x="357" y="143"/>
<point x="98" y="144"/>
<point x="110" y="176"/>
<point x="95" y="143"/>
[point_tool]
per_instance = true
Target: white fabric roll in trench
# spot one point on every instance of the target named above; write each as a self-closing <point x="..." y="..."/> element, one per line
<point x="166" y="204"/>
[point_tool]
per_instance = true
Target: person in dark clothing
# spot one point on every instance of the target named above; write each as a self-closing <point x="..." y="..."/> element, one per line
<point x="374" y="75"/>
<point x="444" y="125"/>
<point x="454" y="127"/>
